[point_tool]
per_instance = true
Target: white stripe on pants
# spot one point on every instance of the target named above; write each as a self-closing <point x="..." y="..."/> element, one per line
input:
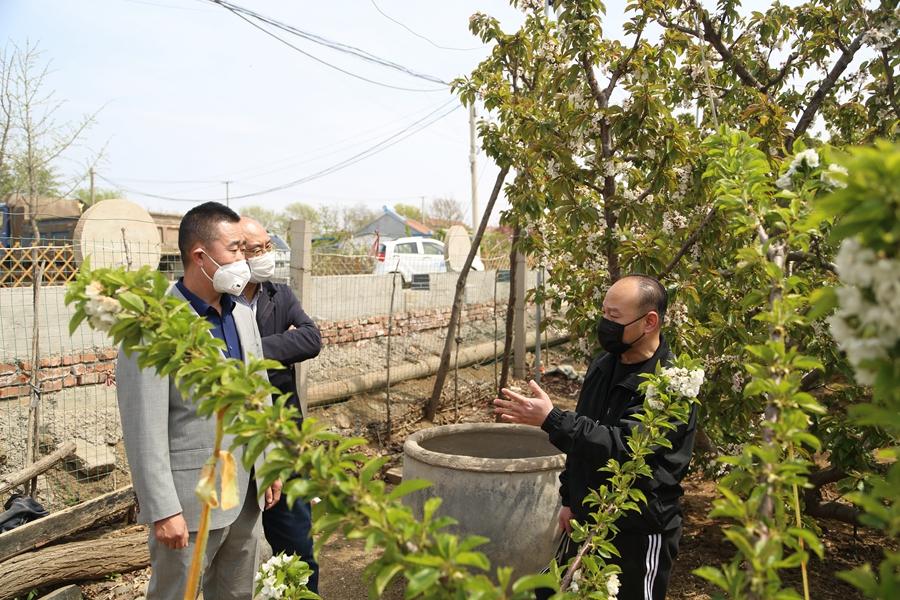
<point x="654" y="541"/>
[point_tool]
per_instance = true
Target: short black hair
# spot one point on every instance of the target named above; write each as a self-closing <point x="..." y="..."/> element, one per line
<point x="199" y="225"/>
<point x="651" y="295"/>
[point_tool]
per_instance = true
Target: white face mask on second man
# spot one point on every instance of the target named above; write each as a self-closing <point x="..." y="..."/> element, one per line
<point x="229" y="279"/>
<point x="262" y="268"/>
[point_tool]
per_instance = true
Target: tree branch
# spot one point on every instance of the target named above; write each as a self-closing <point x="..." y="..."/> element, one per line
<point x="889" y="81"/>
<point x="687" y="244"/>
<point x="826" y="86"/>
<point x="812" y="498"/>
<point x="588" y="69"/>
<point x="711" y="35"/>
<point x="806" y="257"/>
<point x="670" y="24"/>
<point x="623" y="64"/>
<point x="782" y="73"/>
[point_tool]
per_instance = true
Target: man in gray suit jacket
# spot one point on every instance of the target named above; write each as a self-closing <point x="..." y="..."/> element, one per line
<point x="166" y="441"/>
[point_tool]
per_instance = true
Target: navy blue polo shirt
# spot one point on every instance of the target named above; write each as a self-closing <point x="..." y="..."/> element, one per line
<point x="223" y="326"/>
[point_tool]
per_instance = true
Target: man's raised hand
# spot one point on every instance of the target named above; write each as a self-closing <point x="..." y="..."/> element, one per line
<point x="517" y="408"/>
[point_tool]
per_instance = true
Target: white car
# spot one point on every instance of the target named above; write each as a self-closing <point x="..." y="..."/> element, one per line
<point x="414" y="256"/>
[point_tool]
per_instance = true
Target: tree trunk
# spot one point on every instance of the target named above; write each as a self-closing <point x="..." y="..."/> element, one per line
<point x="119" y="552"/>
<point x="441" y="376"/>
<point x="510" y="310"/>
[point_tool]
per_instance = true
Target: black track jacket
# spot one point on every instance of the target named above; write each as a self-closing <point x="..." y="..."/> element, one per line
<point x="597" y="431"/>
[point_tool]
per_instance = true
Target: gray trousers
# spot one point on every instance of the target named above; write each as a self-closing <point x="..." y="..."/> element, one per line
<point x="231" y="561"/>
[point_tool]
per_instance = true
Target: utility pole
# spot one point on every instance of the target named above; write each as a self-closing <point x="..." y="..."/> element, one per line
<point x="227" y="193"/>
<point x="422" y="211"/>
<point x="92" y="185"/>
<point x="473" y="166"/>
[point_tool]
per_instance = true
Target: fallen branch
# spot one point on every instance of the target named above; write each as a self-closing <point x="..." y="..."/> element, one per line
<point x="66" y="522"/>
<point x="836" y="511"/>
<point x="16" y="479"/>
<point x="120" y="552"/>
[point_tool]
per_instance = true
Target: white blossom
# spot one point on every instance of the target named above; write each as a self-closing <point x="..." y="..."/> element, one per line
<point x="883" y="36"/>
<point x="612" y="586"/>
<point x="654" y="404"/>
<point x="677" y="314"/>
<point x="784" y="182"/>
<point x="101" y="310"/>
<point x="834" y="175"/>
<point x="866" y="324"/>
<point x="683" y="381"/>
<point x="673" y="220"/>
<point x="552" y="169"/>
<point x="809" y="158"/>
<point x="737" y="382"/>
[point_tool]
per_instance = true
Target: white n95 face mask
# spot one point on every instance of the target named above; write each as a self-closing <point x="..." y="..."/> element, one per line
<point x="231" y="278"/>
<point x="262" y="268"/>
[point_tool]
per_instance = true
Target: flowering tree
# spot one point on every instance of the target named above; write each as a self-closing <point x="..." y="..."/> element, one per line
<point x="616" y="171"/>
<point x="866" y="327"/>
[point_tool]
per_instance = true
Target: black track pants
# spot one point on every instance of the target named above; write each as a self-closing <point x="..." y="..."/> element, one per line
<point x="646" y="563"/>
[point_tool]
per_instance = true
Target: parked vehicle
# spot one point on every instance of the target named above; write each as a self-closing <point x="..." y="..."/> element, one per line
<point x="414" y="256"/>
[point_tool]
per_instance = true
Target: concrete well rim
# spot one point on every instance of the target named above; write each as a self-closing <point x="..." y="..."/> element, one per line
<point x="413" y="449"/>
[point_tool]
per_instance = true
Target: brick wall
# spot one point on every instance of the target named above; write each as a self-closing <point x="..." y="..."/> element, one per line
<point x="98" y="366"/>
<point x="366" y="328"/>
<point x="58" y="372"/>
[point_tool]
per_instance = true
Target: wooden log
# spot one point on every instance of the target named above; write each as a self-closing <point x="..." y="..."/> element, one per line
<point x="8" y="482"/>
<point x="65" y="522"/>
<point x="122" y="551"/>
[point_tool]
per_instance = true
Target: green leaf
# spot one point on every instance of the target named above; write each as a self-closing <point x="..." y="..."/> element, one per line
<point x="421" y="581"/>
<point x="384" y="577"/>
<point x="131" y="301"/>
<point x="473" y="559"/>
<point x="408" y="487"/>
<point x="533" y="582"/>
<point x="712" y="575"/>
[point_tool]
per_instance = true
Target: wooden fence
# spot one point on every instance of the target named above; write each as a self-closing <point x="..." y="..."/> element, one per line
<point x="17" y="265"/>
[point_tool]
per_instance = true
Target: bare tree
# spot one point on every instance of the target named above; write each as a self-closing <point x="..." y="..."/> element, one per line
<point x="358" y="216"/>
<point x="41" y="139"/>
<point x="6" y="118"/>
<point x="446" y="210"/>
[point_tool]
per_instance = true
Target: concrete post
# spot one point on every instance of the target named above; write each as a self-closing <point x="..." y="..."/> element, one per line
<point x="301" y="282"/>
<point x="519" y="335"/>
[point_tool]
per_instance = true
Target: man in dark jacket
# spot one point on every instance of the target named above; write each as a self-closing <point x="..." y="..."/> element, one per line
<point x="597" y="431"/>
<point x="288" y="336"/>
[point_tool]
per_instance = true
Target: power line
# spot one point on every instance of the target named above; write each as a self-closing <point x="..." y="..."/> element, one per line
<point x="419" y="35"/>
<point x="381" y="146"/>
<point x="334" y="45"/>
<point x="246" y="15"/>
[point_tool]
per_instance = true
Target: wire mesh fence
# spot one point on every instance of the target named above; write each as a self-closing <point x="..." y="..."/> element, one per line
<point x="382" y="322"/>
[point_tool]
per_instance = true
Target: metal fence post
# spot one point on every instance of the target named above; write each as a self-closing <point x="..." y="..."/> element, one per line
<point x="301" y="283"/>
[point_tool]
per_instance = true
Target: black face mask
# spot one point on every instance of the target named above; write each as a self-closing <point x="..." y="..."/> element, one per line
<point x="610" y="334"/>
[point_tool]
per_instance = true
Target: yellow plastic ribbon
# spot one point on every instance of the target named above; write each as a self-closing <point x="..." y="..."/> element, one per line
<point x="229" y="480"/>
<point x="206" y="487"/>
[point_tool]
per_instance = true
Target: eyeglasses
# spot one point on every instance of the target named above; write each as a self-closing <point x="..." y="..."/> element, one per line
<point x="258" y="250"/>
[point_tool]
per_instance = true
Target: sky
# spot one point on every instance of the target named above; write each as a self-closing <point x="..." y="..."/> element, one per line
<point x="190" y="96"/>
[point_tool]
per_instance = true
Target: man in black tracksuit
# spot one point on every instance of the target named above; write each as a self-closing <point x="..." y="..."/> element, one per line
<point x="288" y="336"/>
<point x="597" y="431"/>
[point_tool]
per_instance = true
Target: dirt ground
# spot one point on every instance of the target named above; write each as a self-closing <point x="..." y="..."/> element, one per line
<point x="343" y="561"/>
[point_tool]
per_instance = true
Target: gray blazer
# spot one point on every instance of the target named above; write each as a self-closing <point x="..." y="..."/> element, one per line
<point x="167" y="442"/>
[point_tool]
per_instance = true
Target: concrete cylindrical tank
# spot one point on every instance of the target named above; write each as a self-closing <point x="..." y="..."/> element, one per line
<point x="498" y="480"/>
